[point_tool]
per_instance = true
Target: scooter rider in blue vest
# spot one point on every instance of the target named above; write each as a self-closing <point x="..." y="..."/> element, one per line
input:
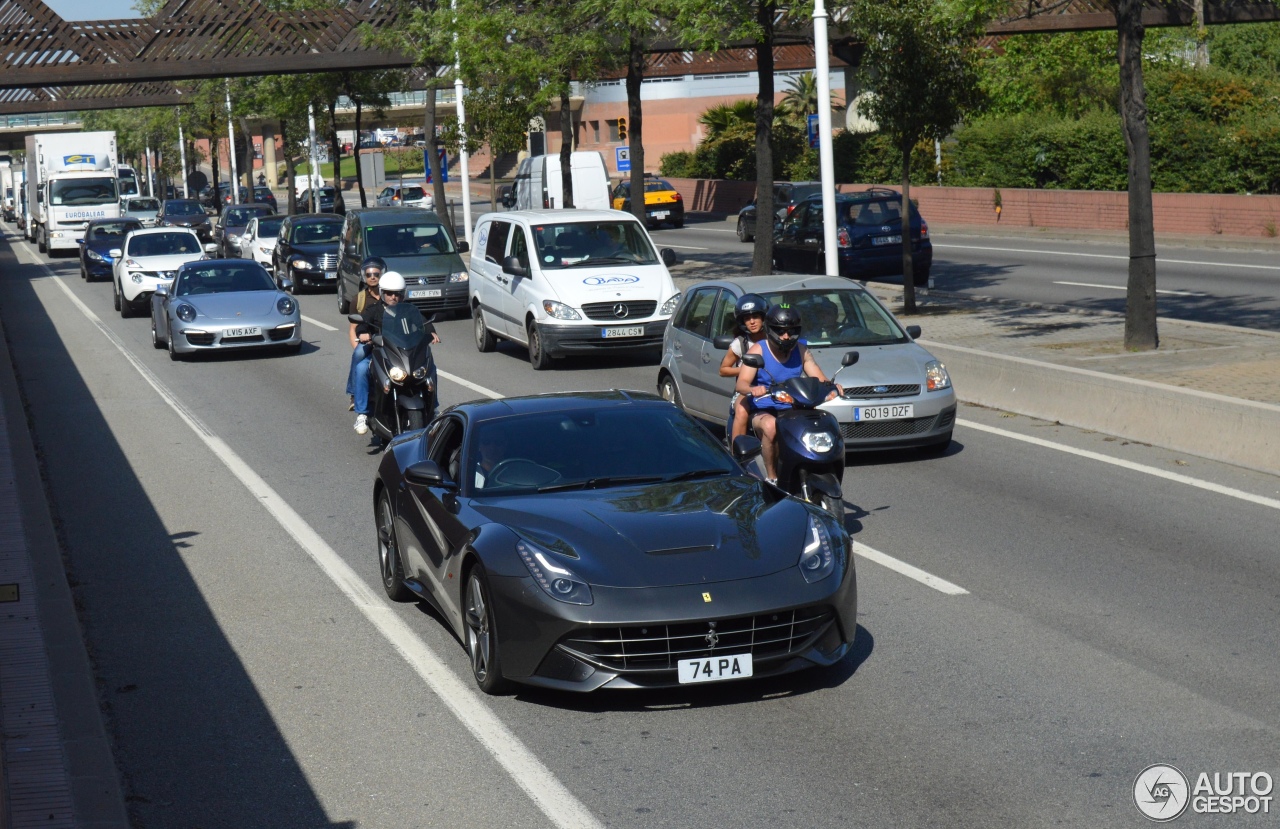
<point x="784" y="358"/>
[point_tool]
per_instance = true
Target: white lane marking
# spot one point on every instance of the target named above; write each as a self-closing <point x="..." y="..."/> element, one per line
<point x="683" y="247"/>
<point x="535" y="779"/>
<point x="1123" y="288"/>
<point x="927" y="579"/>
<point x="1208" y="486"/>
<point x="1112" y="256"/>
<point x="456" y="379"/>
<point x="318" y="323"/>
<point x="716" y="230"/>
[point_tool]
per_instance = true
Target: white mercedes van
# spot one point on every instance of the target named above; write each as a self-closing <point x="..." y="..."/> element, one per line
<point x="538" y="183"/>
<point x="565" y="282"/>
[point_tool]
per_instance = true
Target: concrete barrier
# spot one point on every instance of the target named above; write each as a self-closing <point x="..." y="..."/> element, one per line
<point x="1241" y="432"/>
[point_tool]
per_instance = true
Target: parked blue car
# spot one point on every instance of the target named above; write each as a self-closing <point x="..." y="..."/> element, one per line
<point x="99" y="239"/>
<point x="869" y="235"/>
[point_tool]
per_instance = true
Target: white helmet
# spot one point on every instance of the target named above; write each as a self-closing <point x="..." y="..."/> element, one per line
<point x="391" y="281"/>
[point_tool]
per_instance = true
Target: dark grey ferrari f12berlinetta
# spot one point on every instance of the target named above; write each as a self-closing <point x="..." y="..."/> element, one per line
<point x="606" y="540"/>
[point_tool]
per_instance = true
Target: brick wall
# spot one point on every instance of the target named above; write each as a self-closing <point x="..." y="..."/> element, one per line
<point x="1187" y="213"/>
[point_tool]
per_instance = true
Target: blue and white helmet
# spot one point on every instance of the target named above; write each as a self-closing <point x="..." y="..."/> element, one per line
<point x="750" y="305"/>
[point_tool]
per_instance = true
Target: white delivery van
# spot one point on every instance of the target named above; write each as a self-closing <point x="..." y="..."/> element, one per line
<point x="566" y="282"/>
<point x="539" y="185"/>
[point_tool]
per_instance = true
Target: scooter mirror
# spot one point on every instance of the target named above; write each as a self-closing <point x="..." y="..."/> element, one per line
<point x="913" y="331"/>
<point x="746" y="447"/>
<point x="356" y="318"/>
<point x="753" y="360"/>
<point x="668" y="257"/>
<point x="722" y="343"/>
<point x="376" y="339"/>
<point x="849" y="358"/>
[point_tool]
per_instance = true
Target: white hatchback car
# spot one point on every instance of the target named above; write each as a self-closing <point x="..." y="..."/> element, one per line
<point x="148" y="258"/>
<point x="569" y="282"/>
<point x="258" y="242"/>
<point x="406" y="195"/>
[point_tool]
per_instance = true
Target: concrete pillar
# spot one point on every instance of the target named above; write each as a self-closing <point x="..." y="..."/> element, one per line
<point x="269" y="152"/>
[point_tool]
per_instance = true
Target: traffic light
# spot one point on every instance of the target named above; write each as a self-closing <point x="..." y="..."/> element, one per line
<point x="622" y="129"/>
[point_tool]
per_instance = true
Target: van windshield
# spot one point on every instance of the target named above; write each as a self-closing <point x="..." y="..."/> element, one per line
<point x="416" y="239"/>
<point x="578" y="244"/>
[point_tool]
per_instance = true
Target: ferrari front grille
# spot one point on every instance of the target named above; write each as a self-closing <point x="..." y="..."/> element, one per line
<point x="659" y="647"/>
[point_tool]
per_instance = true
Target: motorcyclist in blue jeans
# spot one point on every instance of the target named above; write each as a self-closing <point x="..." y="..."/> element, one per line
<point x="371" y="269"/>
<point x="392" y="288"/>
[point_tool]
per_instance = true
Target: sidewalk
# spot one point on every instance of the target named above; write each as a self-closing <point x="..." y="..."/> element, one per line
<point x="1209" y="390"/>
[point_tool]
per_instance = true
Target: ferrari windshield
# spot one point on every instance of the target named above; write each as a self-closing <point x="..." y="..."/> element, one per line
<point x="222" y="278"/>
<point x="592" y="449"/>
<point x="579" y="244"/>
<point x="403" y="326"/>
<point x="840" y="317"/>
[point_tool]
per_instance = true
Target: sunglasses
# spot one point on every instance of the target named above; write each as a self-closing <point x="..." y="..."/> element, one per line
<point x="396" y="294"/>
<point x="372" y="274"/>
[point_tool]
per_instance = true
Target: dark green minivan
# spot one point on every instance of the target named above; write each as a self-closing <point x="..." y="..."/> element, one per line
<point x="415" y="244"/>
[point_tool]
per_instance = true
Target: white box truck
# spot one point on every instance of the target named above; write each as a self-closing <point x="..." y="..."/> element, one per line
<point x="71" y="178"/>
<point x="539" y="185"/>
<point x="7" y="194"/>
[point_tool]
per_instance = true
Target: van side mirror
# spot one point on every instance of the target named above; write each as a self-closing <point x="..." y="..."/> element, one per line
<point x="668" y="257"/>
<point x="849" y="358"/>
<point x="745" y="447"/>
<point x="755" y="361"/>
<point x="913" y="331"/>
<point x="463" y="247"/>
<point x="512" y="266"/>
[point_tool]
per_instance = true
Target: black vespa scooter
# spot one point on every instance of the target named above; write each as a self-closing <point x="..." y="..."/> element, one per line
<point x="401" y="395"/>
<point x="810" y="462"/>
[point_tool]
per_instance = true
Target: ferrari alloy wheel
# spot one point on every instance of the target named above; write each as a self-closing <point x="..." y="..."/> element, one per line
<point x="482" y="643"/>
<point x="389" y="554"/>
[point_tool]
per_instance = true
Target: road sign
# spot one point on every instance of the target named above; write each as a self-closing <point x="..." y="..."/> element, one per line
<point x="624" y="159"/>
<point x="813" y="132"/>
<point x="444" y="165"/>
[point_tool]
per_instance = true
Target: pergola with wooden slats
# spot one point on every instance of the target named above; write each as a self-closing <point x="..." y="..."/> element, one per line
<point x="49" y="65"/>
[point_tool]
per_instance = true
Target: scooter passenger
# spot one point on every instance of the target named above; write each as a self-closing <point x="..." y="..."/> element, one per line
<point x="371" y="269"/>
<point x="784" y="358"/>
<point x="392" y="289"/>
<point x="749" y="312"/>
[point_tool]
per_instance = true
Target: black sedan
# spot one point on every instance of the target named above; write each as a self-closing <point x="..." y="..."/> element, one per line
<point x="606" y="540"/>
<point x="185" y="213"/>
<point x="100" y="238"/>
<point x="306" y="251"/>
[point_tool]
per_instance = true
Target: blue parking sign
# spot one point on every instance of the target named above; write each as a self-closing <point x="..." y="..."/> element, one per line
<point x="624" y="159"/>
<point x="813" y="132"/>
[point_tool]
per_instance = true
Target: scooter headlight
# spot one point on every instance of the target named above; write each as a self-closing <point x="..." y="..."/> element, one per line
<point x="420" y="373"/>
<point x="784" y="397"/>
<point x="819" y="441"/>
<point x="397" y="374"/>
<point x="818" y="557"/>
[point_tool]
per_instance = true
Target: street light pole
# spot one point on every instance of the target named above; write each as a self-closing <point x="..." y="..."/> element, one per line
<point x="182" y="153"/>
<point x="231" y="151"/>
<point x="314" y="161"/>
<point x="463" y="159"/>
<point x="826" y="161"/>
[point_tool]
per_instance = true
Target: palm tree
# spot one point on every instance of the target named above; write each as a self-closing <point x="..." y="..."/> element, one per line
<point x="723" y="116"/>
<point x="802" y="96"/>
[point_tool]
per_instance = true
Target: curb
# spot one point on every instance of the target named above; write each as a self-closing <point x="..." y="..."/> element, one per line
<point x="96" y="796"/>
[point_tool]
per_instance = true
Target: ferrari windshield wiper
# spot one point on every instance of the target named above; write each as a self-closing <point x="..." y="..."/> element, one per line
<point x="700" y="473"/>
<point x="597" y="483"/>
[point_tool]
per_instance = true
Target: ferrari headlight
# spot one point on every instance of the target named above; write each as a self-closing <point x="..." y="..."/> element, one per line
<point x="669" y="307"/>
<point x="397" y="374"/>
<point x="556" y="580"/>
<point x="185" y="312"/>
<point x="302" y="264"/>
<point x="936" y="377"/>
<point x="818" y="558"/>
<point x="458" y="276"/>
<point x="420" y="373"/>
<point x="558" y="310"/>
<point x="819" y="441"/>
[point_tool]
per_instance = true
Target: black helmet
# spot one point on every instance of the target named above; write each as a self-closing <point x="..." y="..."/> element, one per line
<point x="783" y="319"/>
<point x="373" y="262"/>
<point x="749" y="304"/>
